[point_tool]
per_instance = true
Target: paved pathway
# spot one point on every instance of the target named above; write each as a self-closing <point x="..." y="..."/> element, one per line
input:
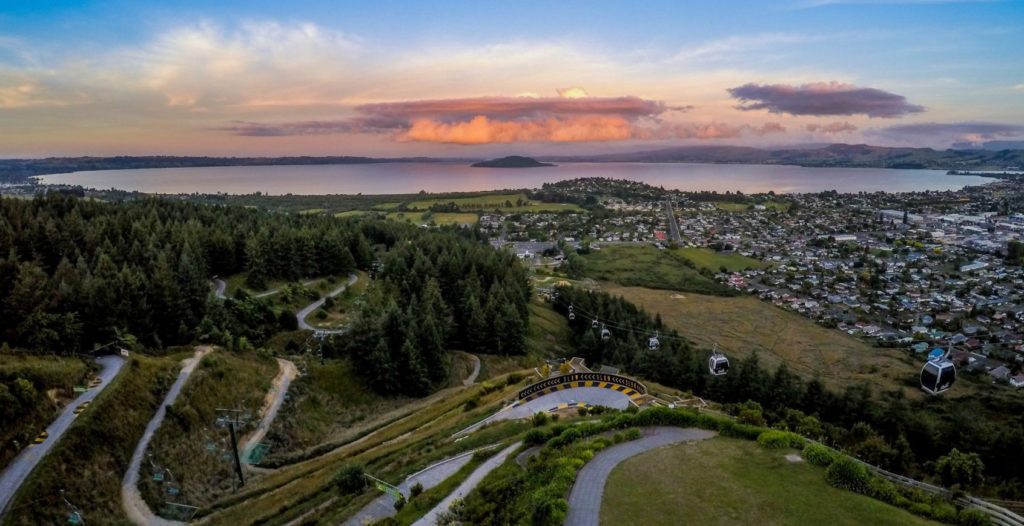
<point x="305" y="312"/>
<point x="430" y="519"/>
<point x="221" y="288"/>
<point x="19" y="469"/>
<point x="384" y="506"/>
<point x="589" y="395"/>
<point x="131" y="500"/>
<point x="586" y="494"/>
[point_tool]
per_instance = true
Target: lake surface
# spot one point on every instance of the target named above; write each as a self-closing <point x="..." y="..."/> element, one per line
<point x="407" y="178"/>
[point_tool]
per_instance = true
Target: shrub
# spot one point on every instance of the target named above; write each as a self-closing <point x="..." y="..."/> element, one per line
<point x="350" y="479"/>
<point x="618" y="438"/>
<point x="582" y="411"/>
<point x="774" y="439"/>
<point x="540" y="419"/>
<point x="415" y="490"/>
<point x="535" y="437"/>
<point x="633" y="434"/>
<point x="399" y="504"/>
<point x="819" y="455"/>
<point x="972" y="517"/>
<point x="846" y="473"/>
<point x="883" y="490"/>
<point x="944" y="512"/>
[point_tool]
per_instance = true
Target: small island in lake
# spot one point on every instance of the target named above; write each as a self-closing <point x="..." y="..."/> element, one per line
<point x="512" y="161"/>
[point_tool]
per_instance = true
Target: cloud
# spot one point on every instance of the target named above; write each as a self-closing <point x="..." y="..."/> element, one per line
<point x="831" y="128"/>
<point x="1019" y="87"/>
<point x="947" y="133"/>
<point x="515" y="107"/>
<point x="734" y="45"/>
<point x="572" y="93"/>
<point x="822" y="98"/>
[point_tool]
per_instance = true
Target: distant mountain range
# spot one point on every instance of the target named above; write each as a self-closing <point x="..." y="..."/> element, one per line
<point x="834" y="155"/>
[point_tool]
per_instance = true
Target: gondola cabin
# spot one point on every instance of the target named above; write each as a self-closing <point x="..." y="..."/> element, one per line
<point x="938" y="375"/>
<point x="718" y="364"/>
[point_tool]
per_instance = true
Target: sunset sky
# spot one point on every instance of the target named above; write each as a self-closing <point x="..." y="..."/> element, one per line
<point x="486" y="78"/>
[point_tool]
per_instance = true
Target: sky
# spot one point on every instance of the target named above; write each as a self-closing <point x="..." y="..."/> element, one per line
<point x="474" y="79"/>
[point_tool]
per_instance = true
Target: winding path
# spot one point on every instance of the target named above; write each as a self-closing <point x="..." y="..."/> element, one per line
<point x="19" y="469"/>
<point x="586" y="494"/>
<point x="131" y="500"/>
<point x="305" y="312"/>
<point x="430" y="518"/>
<point x="471" y="379"/>
<point x="275" y="397"/>
<point x="220" y="288"/>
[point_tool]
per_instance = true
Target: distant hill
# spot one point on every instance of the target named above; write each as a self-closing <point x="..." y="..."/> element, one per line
<point x="834" y="155"/>
<point x="512" y="161"/>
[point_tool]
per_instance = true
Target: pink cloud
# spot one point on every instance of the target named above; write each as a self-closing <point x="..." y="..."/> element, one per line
<point x="823" y="98"/>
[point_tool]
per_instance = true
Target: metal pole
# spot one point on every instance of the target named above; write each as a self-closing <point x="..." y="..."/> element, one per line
<point x="234" y="447"/>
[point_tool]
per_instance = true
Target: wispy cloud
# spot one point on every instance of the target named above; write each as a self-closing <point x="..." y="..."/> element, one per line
<point x="945" y="133"/>
<point x="831" y="128"/>
<point x="730" y="47"/>
<point x="822" y="98"/>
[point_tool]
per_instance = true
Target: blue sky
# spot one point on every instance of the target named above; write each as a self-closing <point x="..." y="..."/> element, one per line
<point x="326" y="77"/>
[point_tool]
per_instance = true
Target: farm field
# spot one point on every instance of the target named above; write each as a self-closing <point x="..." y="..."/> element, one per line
<point x="729" y="481"/>
<point x="646" y="266"/>
<point x="743" y="325"/>
<point x="714" y="261"/>
<point x="729" y="206"/>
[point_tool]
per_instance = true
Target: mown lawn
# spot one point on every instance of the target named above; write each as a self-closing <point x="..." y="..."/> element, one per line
<point x="744" y="325"/>
<point x="646" y="266"/>
<point x="714" y="261"/>
<point x="726" y="481"/>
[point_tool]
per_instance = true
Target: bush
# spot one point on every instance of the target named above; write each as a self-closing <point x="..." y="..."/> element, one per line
<point x="883" y="490"/>
<point x="535" y="437"/>
<point x="633" y="434"/>
<point x="415" y="490"/>
<point x="774" y="439"/>
<point x="350" y="479"/>
<point x="399" y="504"/>
<point x="819" y="455"/>
<point x="540" y="419"/>
<point x="972" y="517"/>
<point x="846" y="473"/>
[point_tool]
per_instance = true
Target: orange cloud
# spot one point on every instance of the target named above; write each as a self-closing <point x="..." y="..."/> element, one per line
<point x="482" y="130"/>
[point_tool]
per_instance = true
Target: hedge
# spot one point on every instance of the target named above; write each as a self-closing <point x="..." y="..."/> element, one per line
<point x="818" y="454"/>
<point x="774" y="439"/>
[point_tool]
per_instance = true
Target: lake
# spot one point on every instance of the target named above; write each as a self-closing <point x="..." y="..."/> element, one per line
<point x="407" y="178"/>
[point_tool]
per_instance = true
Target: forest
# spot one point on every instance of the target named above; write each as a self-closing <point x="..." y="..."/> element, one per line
<point x="77" y="272"/>
<point x="446" y="290"/>
<point x="886" y="429"/>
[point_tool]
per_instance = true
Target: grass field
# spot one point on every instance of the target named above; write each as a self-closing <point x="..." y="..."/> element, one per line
<point x="725" y="481"/>
<point x="646" y="266"/>
<point x="744" y="207"/>
<point x="742" y="325"/>
<point x="344" y="306"/>
<point x="438" y="218"/>
<point x="350" y="213"/>
<point x="510" y="202"/>
<point x="222" y="380"/>
<point x="714" y="261"/>
<point x="52" y="379"/>
<point x="90" y="459"/>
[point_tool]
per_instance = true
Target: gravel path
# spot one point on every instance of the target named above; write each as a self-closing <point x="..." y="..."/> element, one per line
<point x="275" y="397"/>
<point x="430" y="519"/>
<point x="471" y="379"/>
<point x="131" y="500"/>
<point x="19" y="469"/>
<point x="305" y="312"/>
<point x="586" y="494"/>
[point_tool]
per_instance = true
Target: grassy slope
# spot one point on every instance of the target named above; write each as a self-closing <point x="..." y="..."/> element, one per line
<point x="742" y="325"/>
<point x="438" y="218"/>
<point x="729" y="481"/>
<point x="90" y="459"/>
<point x="54" y="378"/>
<point x="496" y="201"/>
<point x="709" y="259"/>
<point x="344" y="303"/>
<point x="646" y="266"/>
<point x="328" y="401"/>
<point x="222" y="380"/>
